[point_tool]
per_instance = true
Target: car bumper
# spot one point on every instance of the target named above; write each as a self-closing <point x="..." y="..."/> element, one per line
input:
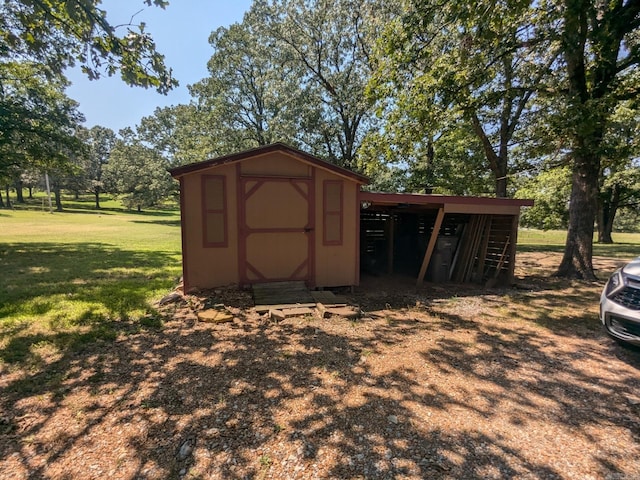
<point x="620" y="322"/>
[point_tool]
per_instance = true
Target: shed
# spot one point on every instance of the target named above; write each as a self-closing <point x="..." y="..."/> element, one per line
<point x="441" y="238"/>
<point x="276" y="213"/>
<point x="273" y="213"/>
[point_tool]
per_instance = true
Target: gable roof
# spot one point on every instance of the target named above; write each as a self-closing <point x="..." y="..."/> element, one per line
<point x="274" y="147"/>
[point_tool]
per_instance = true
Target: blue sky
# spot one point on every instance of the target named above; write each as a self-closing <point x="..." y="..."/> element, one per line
<point x="181" y="32"/>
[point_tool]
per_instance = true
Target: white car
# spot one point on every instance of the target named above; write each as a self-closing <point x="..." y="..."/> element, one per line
<point x="620" y="304"/>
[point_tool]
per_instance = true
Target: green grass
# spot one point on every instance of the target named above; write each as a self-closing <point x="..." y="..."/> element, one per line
<point x="70" y="278"/>
<point x="627" y="245"/>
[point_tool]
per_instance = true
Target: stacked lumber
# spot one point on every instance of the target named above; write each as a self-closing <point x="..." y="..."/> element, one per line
<point x="472" y="248"/>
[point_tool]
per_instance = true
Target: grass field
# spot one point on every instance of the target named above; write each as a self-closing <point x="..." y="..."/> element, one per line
<point x="72" y="277"/>
<point x="69" y="277"/>
<point x="627" y="245"/>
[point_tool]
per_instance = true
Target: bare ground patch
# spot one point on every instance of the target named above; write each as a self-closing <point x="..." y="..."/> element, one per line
<point x="442" y="382"/>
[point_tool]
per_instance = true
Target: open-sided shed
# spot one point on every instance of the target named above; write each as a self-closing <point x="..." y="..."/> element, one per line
<point x="269" y="214"/>
<point x="443" y="238"/>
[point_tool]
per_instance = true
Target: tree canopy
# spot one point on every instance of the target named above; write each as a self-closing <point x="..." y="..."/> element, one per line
<point x="61" y="33"/>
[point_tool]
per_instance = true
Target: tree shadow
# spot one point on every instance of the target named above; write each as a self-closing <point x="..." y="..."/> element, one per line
<point x="169" y="223"/>
<point x="320" y="398"/>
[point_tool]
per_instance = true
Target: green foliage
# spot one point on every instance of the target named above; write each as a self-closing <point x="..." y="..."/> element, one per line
<point x="60" y="33"/>
<point x="451" y="163"/>
<point x="329" y="46"/>
<point x="137" y="174"/>
<point x="183" y="134"/>
<point x="550" y="191"/>
<point x="620" y="173"/>
<point x="460" y="64"/>
<point x="256" y="107"/>
<point x="37" y="120"/>
<point x="293" y="71"/>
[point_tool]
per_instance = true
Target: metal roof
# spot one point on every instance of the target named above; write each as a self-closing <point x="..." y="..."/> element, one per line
<point x="379" y="198"/>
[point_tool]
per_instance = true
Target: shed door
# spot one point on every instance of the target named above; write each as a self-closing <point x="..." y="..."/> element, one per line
<point x="276" y="230"/>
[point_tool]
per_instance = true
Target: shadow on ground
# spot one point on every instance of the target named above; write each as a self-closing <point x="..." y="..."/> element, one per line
<point x="417" y="392"/>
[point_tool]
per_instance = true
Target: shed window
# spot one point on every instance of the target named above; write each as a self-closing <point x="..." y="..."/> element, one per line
<point x="214" y="211"/>
<point x="332" y="212"/>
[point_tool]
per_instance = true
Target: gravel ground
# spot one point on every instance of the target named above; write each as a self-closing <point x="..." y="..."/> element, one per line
<point x="444" y="382"/>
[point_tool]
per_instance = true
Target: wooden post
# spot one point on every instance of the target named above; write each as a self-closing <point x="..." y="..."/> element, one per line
<point x="390" y="239"/>
<point x="431" y="246"/>
<point x="512" y="251"/>
<point x="46" y="181"/>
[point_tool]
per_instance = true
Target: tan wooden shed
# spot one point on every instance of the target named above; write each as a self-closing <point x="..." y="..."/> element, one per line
<point x="274" y="213"/>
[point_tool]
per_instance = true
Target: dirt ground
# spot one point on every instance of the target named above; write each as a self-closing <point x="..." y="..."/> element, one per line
<point x="442" y="382"/>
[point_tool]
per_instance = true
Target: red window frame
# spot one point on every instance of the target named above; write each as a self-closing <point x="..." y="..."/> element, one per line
<point x="330" y="215"/>
<point x="220" y="211"/>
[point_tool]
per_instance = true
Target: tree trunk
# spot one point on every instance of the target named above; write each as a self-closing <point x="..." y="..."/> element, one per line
<point x="1" y="201"/>
<point x="497" y="163"/>
<point x="6" y="191"/>
<point x="609" y="201"/>
<point x="30" y="192"/>
<point x="585" y="128"/>
<point x="56" y="192"/>
<point x="19" y="195"/>
<point x="97" y="195"/>
<point x="577" y="260"/>
<point x="501" y="186"/>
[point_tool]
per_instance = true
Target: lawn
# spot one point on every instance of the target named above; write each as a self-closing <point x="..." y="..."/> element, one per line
<point x="627" y="245"/>
<point x="68" y="277"/>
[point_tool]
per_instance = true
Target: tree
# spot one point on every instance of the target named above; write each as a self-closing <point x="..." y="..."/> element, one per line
<point x="38" y="122"/>
<point x="250" y="97"/>
<point x="292" y="71"/>
<point x="620" y="189"/>
<point x="99" y="141"/>
<point x="329" y="44"/>
<point x="620" y="174"/>
<point x="470" y="64"/>
<point x="449" y="163"/>
<point x="61" y="33"/>
<point x="137" y="174"/>
<point x="577" y="58"/>
<point x="31" y="179"/>
<point x="601" y="52"/>
<point x="182" y="134"/>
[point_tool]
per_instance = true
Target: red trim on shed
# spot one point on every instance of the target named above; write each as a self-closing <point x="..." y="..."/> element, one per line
<point x="207" y="211"/>
<point x="183" y="228"/>
<point x="377" y="198"/>
<point x="331" y="214"/>
<point x="274" y="147"/>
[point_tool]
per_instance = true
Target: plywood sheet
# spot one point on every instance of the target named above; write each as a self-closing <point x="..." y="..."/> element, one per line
<point x="282" y="293"/>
